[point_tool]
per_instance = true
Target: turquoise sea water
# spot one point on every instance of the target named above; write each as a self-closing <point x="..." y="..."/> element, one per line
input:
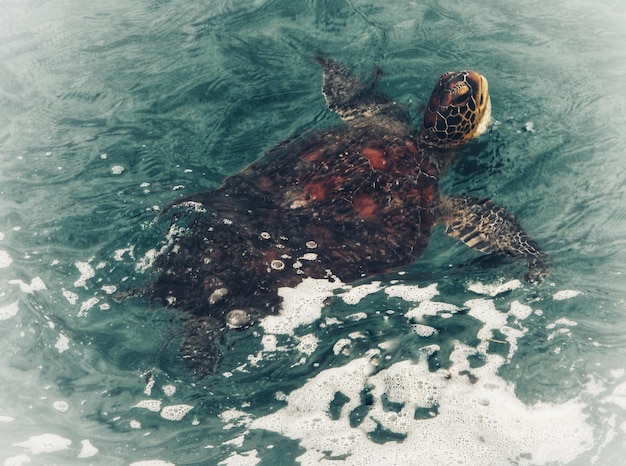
<point x="110" y="110"/>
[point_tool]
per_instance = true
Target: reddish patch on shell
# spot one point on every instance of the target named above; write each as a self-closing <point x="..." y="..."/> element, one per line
<point x="428" y="195"/>
<point x="411" y="146"/>
<point x="264" y="183"/>
<point x="430" y="169"/>
<point x="365" y="206"/>
<point x="375" y="156"/>
<point x="317" y="191"/>
<point x="313" y="155"/>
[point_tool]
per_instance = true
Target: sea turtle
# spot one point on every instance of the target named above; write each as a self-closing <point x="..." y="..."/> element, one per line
<point x="351" y="201"/>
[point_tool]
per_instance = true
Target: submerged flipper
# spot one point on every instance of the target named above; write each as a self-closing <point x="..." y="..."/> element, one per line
<point x="199" y="347"/>
<point x="487" y="227"/>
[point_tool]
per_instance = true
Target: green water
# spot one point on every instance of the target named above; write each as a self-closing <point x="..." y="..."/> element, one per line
<point x="110" y="110"/>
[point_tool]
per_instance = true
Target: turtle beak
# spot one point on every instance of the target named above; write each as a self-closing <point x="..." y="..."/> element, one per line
<point x="484" y="106"/>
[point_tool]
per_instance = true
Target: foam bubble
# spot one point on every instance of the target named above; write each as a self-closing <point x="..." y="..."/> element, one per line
<point x="109" y="289"/>
<point x="342" y="346"/>
<point x="412" y="293"/>
<point x="563" y="321"/>
<point x="175" y="412"/>
<point x="247" y="458"/>
<point x="430" y="308"/>
<point x="10" y="310"/>
<point x="36" y="284"/>
<point x="152" y="463"/>
<point x="62" y="344"/>
<point x="87" y="449"/>
<point x="71" y="297"/>
<point x="565" y="294"/>
<point x="87" y="305"/>
<point x="355" y="294"/>
<point x="494" y="289"/>
<point x="301" y="305"/>
<point x="117" y="169"/>
<point x="617" y="396"/>
<point x="86" y="272"/>
<point x="234" y="418"/>
<point x="5" y="259"/>
<point x="147" y="260"/>
<point x="424" y="330"/>
<point x="150" y="405"/>
<point x="307" y="344"/>
<point x="169" y="390"/>
<point x="118" y="255"/>
<point x="61" y="406"/>
<point x="519" y="310"/>
<point x="18" y="460"/>
<point x="45" y="443"/>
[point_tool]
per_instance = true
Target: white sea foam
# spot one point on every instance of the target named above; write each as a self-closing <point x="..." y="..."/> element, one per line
<point x="494" y="289"/>
<point x="152" y="463"/>
<point x="413" y="293"/>
<point x="246" y="458"/>
<point x="458" y="415"/>
<point x="18" y="460"/>
<point x="118" y="255"/>
<point x="61" y="406"/>
<point x="150" y="405"/>
<point x="301" y="305"/>
<point x="458" y="410"/>
<point x="431" y="308"/>
<point x="617" y="396"/>
<point x="62" y="344"/>
<point x="565" y="294"/>
<point x="424" y="330"/>
<point x="45" y="443"/>
<point x="36" y="284"/>
<point x="109" y="289"/>
<point x="5" y="259"/>
<point x="87" y="449"/>
<point x="87" y="305"/>
<point x="175" y="412"/>
<point x="307" y="344"/>
<point x="86" y="272"/>
<point x="10" y="310"/>
<point x="355" y="294"/>
<point x="71" y="297"/>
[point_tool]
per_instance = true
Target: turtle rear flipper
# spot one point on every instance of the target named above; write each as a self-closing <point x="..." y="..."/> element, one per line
<point x="487" y="227"/>
<point x="199" y="346"/>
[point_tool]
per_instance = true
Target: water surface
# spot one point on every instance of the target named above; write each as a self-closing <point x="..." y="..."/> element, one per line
<point x="112" y="110"/>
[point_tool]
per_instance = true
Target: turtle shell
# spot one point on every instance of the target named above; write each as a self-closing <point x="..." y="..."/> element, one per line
<point x="348" y="202"/>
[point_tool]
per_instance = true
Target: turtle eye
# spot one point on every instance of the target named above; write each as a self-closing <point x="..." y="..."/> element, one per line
<point x="461" y="95"/>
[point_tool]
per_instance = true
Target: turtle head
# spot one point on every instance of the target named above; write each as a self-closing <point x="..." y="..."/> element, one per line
<point x="459" y="109"/>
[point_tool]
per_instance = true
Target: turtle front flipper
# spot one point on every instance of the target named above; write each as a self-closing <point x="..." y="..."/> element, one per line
<point x="355" y="101"/>
<point x="487" y="227"/>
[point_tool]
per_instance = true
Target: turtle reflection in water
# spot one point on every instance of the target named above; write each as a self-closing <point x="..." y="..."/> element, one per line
<point x="353" y="201"/>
